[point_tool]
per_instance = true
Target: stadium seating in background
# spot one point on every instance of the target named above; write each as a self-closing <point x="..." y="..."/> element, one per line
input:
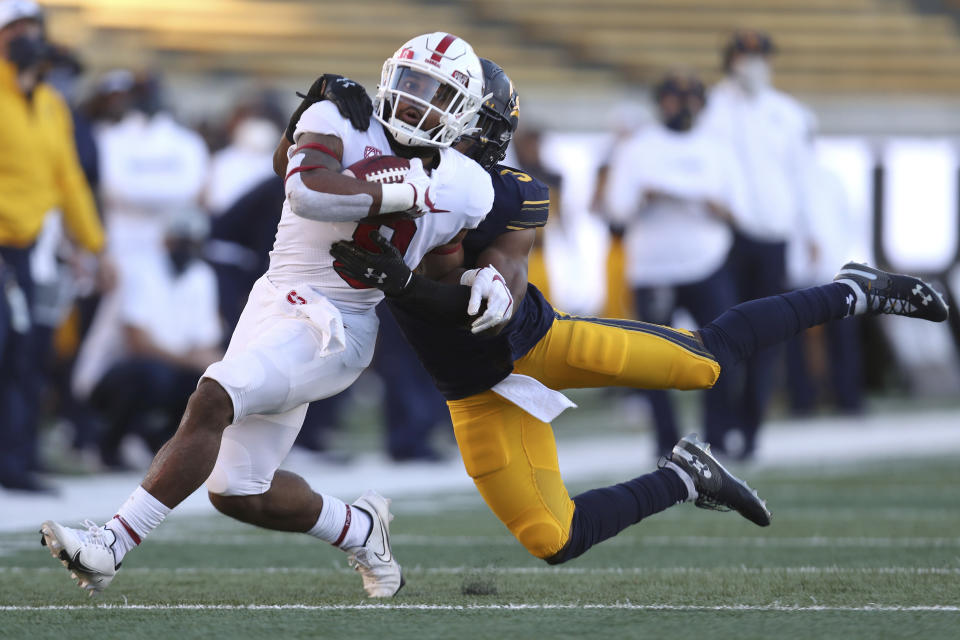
<point x="826" y="46"/>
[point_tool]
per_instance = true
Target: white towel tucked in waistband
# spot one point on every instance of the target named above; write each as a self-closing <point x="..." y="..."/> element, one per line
<point x="532" y="396"/>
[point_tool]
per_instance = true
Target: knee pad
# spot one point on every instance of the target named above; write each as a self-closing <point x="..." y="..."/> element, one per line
<point x="597" y="348"/>
<point x="542" y="536"/>
<point x="233" y="473"/>
<point x="253" y="382"/>
<point x="483" y="448"/>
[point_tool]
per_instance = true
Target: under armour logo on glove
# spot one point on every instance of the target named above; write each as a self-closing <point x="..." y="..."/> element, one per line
<point x="373" y="274"/>
<point x="346" y="82"/>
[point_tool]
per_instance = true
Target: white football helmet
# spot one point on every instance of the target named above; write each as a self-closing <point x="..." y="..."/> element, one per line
<point x="434" y="74"/>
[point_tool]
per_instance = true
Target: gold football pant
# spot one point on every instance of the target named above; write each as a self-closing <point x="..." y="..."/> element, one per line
<point x="512" y="456"/>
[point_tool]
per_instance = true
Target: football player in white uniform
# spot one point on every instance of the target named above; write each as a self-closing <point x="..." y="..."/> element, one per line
<point x="306" y="332"/>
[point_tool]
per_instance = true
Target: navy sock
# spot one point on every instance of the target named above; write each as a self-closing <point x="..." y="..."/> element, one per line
<point x="603" y="513"/>
<point x="747" y="328"/>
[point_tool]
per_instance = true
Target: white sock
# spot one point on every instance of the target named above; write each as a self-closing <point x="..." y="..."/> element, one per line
<point x="135" y="518"/>
<point x="340" y="524"/>
<point x="860" y="307"/>
<point x="685" y="477"/>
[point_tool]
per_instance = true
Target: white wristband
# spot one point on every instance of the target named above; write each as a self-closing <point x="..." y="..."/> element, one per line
<point x="397" y="197"/>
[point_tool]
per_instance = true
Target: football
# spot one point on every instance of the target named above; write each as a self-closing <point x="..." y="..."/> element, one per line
<point x="382" y="169"/>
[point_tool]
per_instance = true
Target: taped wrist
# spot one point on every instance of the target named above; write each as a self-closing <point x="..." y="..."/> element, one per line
<point x="438" y="301"/>
<point x="396" y="197"/>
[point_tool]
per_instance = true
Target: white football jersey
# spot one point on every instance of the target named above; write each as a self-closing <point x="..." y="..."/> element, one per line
<point x="301" y="252"/>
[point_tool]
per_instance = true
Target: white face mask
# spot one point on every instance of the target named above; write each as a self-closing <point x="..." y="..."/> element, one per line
<point x="752" y="72"/>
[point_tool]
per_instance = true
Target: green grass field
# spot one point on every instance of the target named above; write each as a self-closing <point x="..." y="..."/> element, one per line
<point x="872" y="551"/>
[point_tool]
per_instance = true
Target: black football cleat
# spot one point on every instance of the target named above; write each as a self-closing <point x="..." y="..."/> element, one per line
<point x="718" y="489"/>
<point x="894" y="293"/>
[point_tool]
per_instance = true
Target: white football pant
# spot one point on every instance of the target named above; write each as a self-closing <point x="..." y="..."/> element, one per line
<point x="291" y="347"/>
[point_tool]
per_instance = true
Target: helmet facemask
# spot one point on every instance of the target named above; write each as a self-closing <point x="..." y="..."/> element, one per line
<point x="490" y="138"/>
<point x="445" y="107"/>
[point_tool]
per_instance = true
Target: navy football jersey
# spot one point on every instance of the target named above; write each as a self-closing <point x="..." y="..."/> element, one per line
<point x="461" y="363"/>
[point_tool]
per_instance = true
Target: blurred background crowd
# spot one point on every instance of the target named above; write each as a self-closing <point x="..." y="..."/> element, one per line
<point x="699" y="153"/>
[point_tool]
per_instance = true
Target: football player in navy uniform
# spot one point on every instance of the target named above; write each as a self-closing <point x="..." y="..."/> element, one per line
<point x="497" y="350"/>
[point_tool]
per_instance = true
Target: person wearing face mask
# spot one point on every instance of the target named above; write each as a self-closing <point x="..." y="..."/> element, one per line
<point x="39" y="174"/>
<point x="151" y="340"/>
<point x="675" y="189"/>
<point x="770" y="133"/>
<point x="150" y="164"/>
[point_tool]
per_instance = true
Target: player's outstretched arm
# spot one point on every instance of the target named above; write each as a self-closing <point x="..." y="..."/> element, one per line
<point x="316" y="188"/>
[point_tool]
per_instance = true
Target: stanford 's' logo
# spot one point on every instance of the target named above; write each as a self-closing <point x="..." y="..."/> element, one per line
<point x="294" y="298"/>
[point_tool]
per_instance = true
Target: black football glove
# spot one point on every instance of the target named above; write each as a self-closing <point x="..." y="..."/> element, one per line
<point x="350" y="98"/>
<point x="383" y="269"/>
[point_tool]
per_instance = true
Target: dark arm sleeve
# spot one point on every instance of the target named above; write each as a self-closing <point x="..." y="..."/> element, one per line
<point x="438" y="301"/>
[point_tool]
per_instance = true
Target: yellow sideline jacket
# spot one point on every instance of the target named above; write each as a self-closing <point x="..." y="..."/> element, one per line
<point x="39" y="169"/>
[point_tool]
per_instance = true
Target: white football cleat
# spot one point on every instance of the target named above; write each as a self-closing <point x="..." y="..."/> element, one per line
<point x="374" y="560"/>
<point x="88" y="554"/>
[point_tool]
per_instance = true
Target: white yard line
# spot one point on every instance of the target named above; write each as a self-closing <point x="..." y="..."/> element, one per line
<point x="808" y="570"/>
<point x="872" y="608"/>
<point x="12" y="546"/>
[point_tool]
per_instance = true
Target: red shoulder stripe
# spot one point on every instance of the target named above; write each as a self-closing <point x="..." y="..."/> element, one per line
<point x="319" y="147"/>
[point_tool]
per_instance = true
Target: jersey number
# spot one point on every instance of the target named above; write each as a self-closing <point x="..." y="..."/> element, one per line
<point x="519" y="175"/>
<point x="403" y="231"/>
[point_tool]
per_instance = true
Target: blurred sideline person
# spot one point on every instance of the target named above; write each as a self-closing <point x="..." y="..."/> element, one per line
<point x="500" y="367"/>
<point x="824" y="364"/>
<point x="628" y="119"/>
<point x="150" y="166"/>
<point x="527" y="145"/>
<point x="306" y="332"/>
<point x="770" y="133"/>
<point x="154" y="336"/>
<point x="245" y="162"/>
<point x="239" y="245"/>
<point x="39" y="173"/>
<point x="674" y="188"/>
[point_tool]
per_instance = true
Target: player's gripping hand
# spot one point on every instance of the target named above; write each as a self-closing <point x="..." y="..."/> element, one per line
<point x="349" y="97"/>
<point x="383" y="269"/>
<point x="487" y="285"/>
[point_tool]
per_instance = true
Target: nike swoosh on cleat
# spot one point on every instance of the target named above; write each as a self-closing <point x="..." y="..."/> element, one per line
<point x="385" y="555"/>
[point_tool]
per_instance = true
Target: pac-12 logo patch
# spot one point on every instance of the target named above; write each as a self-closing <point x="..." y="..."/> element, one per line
<point x="371" y="152"/>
